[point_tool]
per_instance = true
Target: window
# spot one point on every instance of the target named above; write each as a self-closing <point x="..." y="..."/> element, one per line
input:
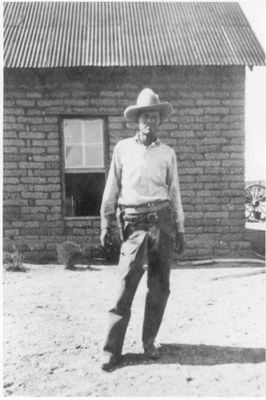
<point x="84" y="166"/>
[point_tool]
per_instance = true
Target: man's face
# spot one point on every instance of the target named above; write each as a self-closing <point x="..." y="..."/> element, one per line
<point x="149" y="122"/>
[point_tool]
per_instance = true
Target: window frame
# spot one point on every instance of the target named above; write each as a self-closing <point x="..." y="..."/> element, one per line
<point x="65" y="170"/>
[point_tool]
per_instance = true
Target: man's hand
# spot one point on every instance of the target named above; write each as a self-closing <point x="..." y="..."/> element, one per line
<point x="106" y="239"/>
<point x="179" y="242"/>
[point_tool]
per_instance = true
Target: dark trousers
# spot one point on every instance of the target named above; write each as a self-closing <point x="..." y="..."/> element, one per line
<point x="142" y="247"/>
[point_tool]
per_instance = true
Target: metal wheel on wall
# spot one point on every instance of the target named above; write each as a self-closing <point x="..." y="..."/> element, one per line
<point x="255" y="203"/>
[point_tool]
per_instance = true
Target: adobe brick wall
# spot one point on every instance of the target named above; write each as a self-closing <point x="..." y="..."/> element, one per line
<point x="206" y="130"/>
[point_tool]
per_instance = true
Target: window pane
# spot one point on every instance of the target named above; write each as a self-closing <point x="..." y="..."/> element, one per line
<point x="93" y="131"/>
<point x="73" y="131"/>
<point x="94" y="156"/>
<point x="84" y="194"/>
<point x="74" y="156"/>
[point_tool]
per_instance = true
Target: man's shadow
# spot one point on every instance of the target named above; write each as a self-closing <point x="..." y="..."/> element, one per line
<point x="197" y="354"/>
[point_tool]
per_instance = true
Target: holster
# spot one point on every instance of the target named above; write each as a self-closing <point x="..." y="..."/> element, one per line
<point x="120" y="223"/>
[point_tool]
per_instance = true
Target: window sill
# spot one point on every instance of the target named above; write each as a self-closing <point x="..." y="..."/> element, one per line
<point x="82" y="218"/>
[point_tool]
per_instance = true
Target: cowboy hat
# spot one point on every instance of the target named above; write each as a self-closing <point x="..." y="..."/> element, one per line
<point x="148" y="100"/>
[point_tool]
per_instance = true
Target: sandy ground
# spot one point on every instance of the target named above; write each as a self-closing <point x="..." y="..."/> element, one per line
<point x="212" y="337"/>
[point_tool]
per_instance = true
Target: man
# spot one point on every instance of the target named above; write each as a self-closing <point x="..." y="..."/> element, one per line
<point x="143" y="190"/>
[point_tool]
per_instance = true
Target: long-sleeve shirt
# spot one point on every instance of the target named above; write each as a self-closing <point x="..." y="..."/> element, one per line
<point x="141" y="174"/>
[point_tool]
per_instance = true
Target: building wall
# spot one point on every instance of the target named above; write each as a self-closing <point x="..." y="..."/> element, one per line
<point x="206" y="130"/>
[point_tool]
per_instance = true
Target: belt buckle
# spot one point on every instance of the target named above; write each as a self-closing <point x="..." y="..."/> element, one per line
<point x="152" y="218"/>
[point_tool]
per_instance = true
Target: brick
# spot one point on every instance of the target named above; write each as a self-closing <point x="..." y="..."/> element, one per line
<point x="221" y="215"/>
<point x="35" y="112"/>
<point x="217" y="94"/>
<point x="44" y="128"/>
<point x="46" y="158"/>
<point x="32" y="180"/>
<point x="30" y="120"/>
<point x="53" y="135"/>
<point x="47" y="202"/>
<point x="14" y="127"/>
<point x="79" y="231"/>
<point x="47" y="188"/>
<point x="25" y="103"/>
<point x="52" y="150"/>
<point x="235" y="150"/>
<point x="217" y="126"/>
<point x="115" y="125"/>
<point x="108" y="102"/>
<point x="190" y="111"/>
<point x="11" y="232"/>
<point x="11" y="135"/>
<point x="30" y="195"/>
<point x="32" y="150"/>
<point x="234" y="102"/>
<point x="230" y="163"/>
<point x="208" y="102"/>
<point x="13" y="142"/>
<point x="190" y="94"/>
<point x="207" y="118"/>
<point x="34" y="95"/>
<point x="8" y="103"/>
<point x="242" y="245"/>
<point x="16" y="172"/>
<point x="11" y="181"/>
<point x="215" y="170"/>
<point x="54" y="217"/>
<point x="9" y="119"/>
<point x="45" y="143"/>
<point x="105" y="93"/>
<point x="34" y="210"/>
<point x="56" y="110"/>
<point x="208" y="164"/>
<point x="189" y="178"/>
<point x="216" y="156"/>
<point x="31" y="165"/>
<point x="193" y="229"/>
<point x="31" y="135"/>
<point x="191" y="171"/>
<point x="32" y="224"/>
<point x="10" y="165"/>
<point x="50" y="120"/>
<point x="190" y="127"/>
<point x="53" y="180"/>
<point x="10" y="149"/>
<point x="187" y="156"/>
<point x="184" y="103"/>
<point x="185" y="119"/>
<point x="217" y="110"/>
<point x="37" y="216"/>
<point x="215" y="185"/>
<point x="49" y="103"/>
<point x="216" y="229"/>
<point x="14" y="95"/>
<point x="46" y="173"/>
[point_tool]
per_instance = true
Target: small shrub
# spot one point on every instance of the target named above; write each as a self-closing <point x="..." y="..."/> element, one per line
<point x="68" y="253"/>
<point x="13" y="261"/>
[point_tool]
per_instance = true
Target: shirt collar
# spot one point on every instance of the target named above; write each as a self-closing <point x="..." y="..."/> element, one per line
<point x="156" y="143"/>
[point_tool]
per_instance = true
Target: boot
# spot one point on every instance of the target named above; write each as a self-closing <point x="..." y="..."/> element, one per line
<point x="151" y="350"/>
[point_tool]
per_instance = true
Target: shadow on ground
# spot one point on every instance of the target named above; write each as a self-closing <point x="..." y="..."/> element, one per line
<point x="188" y="354"/>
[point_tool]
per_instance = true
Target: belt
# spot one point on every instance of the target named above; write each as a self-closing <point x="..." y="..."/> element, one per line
<point x="148" y="218"/>
<point x="150" y="207"/>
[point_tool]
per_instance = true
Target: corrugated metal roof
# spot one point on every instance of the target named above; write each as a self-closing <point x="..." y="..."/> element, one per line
<point x="68" y="34"/>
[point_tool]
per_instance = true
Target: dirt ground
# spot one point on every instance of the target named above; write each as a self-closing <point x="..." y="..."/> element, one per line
<point x="212" y="337"/>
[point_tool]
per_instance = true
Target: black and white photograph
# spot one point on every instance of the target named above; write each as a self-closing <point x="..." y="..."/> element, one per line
<point x="133" y="203"/>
